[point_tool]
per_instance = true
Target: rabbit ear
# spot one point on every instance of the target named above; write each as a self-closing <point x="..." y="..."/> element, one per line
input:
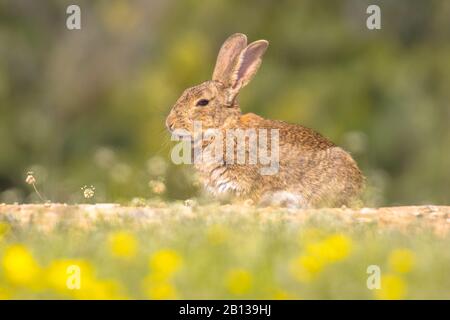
<point x="248" y="63"/>
<point x="246" y="67"/>
<point x="228" y="54"/>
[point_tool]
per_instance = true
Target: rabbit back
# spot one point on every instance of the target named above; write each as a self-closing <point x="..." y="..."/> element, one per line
<point x="312" y="171"/>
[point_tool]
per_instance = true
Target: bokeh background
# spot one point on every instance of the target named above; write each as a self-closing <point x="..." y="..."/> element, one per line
<point x="87" y="107"/>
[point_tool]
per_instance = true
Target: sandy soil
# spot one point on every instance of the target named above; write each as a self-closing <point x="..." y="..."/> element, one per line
<point x="407" y="218"/>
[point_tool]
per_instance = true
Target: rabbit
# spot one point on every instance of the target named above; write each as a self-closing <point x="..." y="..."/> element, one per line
<point x="312" y="171"/>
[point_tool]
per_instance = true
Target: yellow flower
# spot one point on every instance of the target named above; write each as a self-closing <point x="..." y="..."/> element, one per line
<point x="339" y="247"/>
<point x="332" y="249"/>
<point x="59" y="274"/>
<point x="306" y="267"/>
<point x="4" y="294"/>
<point x="61" y="278"/>
<point x="402" y="260"/>
<point x="239" y="281"/>
<point x="122" y="244"/>
<point x="19" y="266"/>
<point x="392" y="288"/>
<point x="164" y="263"/>
<point x="160" y="291"/>
<point x="335" y="248"/>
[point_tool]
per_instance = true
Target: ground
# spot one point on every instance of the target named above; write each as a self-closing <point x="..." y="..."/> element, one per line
<point x="186" y="250"/>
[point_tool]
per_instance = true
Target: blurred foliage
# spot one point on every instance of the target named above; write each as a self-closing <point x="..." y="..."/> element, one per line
<point x="87" y="107"/>
<point x="239" y="252"/>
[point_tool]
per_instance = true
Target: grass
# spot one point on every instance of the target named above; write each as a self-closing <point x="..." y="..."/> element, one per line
<point x="177" y="251"/>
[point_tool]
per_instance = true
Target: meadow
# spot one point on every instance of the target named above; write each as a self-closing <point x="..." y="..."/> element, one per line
<point x="161" y="250"/>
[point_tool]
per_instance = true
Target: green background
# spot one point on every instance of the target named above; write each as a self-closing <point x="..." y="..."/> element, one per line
<point x="87" y="107"/>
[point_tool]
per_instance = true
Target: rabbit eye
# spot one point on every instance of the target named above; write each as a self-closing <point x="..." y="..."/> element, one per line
<point x="202" y="102"/>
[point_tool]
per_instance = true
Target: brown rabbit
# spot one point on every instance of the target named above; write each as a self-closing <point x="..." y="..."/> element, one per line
<point x="310" y="171"/>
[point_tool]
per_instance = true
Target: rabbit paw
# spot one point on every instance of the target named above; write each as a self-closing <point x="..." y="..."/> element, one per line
<point x="284" y="199"/>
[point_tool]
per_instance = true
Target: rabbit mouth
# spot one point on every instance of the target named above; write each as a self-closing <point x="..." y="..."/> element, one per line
<point x="176" y="132"/>
<point x="180" y="133"/>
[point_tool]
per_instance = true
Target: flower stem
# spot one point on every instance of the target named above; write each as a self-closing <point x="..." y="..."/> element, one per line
<point x="38" y="193"/>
